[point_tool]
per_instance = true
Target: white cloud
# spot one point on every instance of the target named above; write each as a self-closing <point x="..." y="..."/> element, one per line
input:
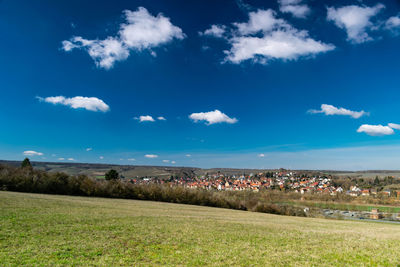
<point x="104" y="52"/>
<point x="289" y="44"/>
<point x="188" y="155"/>
<point x="89" y="149"/>
<point x="88" y="103"/>
<point x="332" y="110"/>
<point x="356" y="20"/>
<point x="151" y="156"/>
<point x="294" y="7"/>
<point x="215" y="31"/>
<point x="61" y="158"/>
<point x="145" y="118"/>
<point x="141" y="31"/>
<point x="161" y="118"/>
<point x="165" y="161"/>
<point x="32" y="153"/>
<point x="393" y="23"/>
<point x="375" y="130"/>
<point x="101" y="157"/>
<point x="212" y="117"/>
<point x="265" y="37"/>
<point x="261" y="155"/>
<point x="132" y="159"/>
<point x="71" y="159"/>
<point x="260" y="20"/>
<point x="173" y="162"/>
<point x="394" y="126"/>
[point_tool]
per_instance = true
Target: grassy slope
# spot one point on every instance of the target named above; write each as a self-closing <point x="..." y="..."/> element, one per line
<point x="56" y="230"/>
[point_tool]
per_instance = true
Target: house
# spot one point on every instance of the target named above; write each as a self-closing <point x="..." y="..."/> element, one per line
<point x="339" y="190"/>
<point x="387" y="192"/>
<point x="375" y="215"/>
<point x="365" y="192"/>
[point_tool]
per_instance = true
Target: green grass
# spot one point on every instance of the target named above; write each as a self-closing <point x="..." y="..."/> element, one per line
<point x="53" y="230"/>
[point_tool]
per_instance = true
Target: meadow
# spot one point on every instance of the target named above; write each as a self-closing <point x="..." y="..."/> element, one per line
<point x="38" y="229"/>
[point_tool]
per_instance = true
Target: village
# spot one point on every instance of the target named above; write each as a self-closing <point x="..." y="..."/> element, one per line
<point x="290" y="181"/>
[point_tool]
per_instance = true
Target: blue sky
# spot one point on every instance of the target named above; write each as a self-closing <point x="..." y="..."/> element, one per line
<point x="246" y="84"/>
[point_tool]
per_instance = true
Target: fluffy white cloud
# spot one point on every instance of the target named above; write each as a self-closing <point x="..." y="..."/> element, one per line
<point x="287" y="44"/>
<point x="61" y="158"/>
<point x="165" y="160"/>
<point x="173" y="162"/>
<point x="88" y="103"/>
<point x="215" y="31"/>
<point x="261" y="155"/>
<point x="161" y="118"/>
<point x="188" y="155"/>
<point x="294" y="7"/>
<point x="32" y="153"/>
<point x="141" y="31"/>
<point x="260" y="20"/>
<point x="151" y="156"/>
<point x="212" y="117"/>
<point x="356" y="20"/>
<point x="393" y="23"/>
<point x="132" y="159"/>
<point x="375" y="130"/>
<point x="145" y="118"/>
<point x="101" y="157"/>
<point x="332" y="110"/>
<point x="394" y="126"/>
<point x="104" y="52"/>
<point x="89" y="149"/>
<point x="71" y="159"/>
<point x="265" y="37"/>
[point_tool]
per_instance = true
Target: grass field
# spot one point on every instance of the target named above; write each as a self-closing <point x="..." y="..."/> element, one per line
<point x="53" y="230"/>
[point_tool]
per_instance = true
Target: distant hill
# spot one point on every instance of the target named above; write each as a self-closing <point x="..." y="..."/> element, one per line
<point x="128" y="171"/>
<point x="134" y="171"/>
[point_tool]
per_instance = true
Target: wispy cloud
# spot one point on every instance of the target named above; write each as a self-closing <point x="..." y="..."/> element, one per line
<point x="295" y="7"/>
<point x="151" y="156"/>
<point x="32" y="153"/>
<point x="88" y="103"/>
<point x="214" y="31"/>
<point x="393" y="24"/>
<point x="332" y="110"/>
<point x="394" y="126"/>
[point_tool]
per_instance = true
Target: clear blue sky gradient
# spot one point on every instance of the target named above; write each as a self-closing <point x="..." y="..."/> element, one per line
<point x="270" y="101"/>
